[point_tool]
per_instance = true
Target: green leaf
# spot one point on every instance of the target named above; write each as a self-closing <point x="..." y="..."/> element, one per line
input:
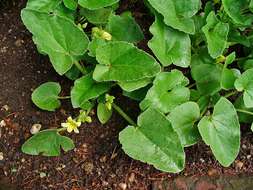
<point x="95" y="4"/>
<point x="73" y="73"/>
<point x="221" y="132"/>
<point x="50" y="33"/>
<point x="47" y="143"/>
<point x="154" y="142"/>
<point x="170" y="45"/>
<point x="94" y="44"/>
<point x="46" y="96"/>
<point x="70" y="4"/>
<point x="137" y="95"/>
<point x="86" y="89"/>
<point x="103" y="113"/>
<point x="216" y="34"/>
<point x="245" y="83"/>
<point x="180" y="13"/>
<point x="235" y="9"/>
<point x="183" y="119"/>
<point x="243" y="117"/>
<point x="167" y="92"/>
<point x="123" y="62"/>
<point x="99" y="16"/>
<point x="43" y="5"/>
<point x="135" y="85"/>
<point x="124" y="28"/>
<point x="206" y="74"/>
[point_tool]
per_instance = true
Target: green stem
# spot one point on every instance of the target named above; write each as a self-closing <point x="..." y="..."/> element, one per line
<point x="80" y="67"/>
<point x="231" y="94"/>
<point x="124" y="115"/>
<point x="244" y="111"/>
<point x="191" y="85"/>
<point x="64" y="97"/>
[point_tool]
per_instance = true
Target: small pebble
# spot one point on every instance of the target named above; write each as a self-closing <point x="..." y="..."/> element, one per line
<point x="248" y="156"/>
<point x="212" y="172"/>
<point x="131" y="178"/>
<point x="1" y="156"/>
<point x="42" y="174"/>
<point x="2" y="123"/>
<point x="201" y="160"/>
<point x="35" y="128"/>
<point x="6" y="108"/>
<point x="244" y="146"/>
<point x="123" y="186"/>
<point x="238" y="164"/>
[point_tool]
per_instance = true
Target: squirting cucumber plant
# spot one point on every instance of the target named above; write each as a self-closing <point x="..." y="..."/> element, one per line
<point x="197" y="84"/>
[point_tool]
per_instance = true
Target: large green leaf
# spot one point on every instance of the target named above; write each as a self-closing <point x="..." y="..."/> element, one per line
<point x="206" y="74"/>
<point x="167" y="92"/>
<point x="154" y="142"/>
<point x="245" y="83"/>
<point x="47" y="143"/>
<point x="170" y="45"/>
<point x="96" y="4"/>
<point x="86" y="89"/>
<point x="124" y="28"/>
<point x="183" y="119"/>
<point x="123" y="62"/>
<point x="43" y="5"/>
<point x="178" y="14"/>
<point x="236" y="10"/>
<point x="58" y="37"/>
<point x="46" y="96"/>
<point x="216" y="34"/>
<point x="221" y="132"/>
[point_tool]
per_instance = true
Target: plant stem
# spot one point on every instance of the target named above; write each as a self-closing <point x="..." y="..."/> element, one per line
<point x="191" y="85"/>
<point x="124" y="115"/>
<point x="64" y="97"/>
<point x="80" y="67"/>
<point x="230" y="94"/>
<point x="244" y="111"/>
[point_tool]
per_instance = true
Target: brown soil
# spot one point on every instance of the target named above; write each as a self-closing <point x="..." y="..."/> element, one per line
<point x="97" y="162"/>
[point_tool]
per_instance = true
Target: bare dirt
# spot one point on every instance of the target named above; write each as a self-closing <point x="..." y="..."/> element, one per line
<point x="97" y="162"/>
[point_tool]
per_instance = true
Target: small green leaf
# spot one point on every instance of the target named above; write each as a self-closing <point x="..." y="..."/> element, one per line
<point x="124" y="28"/>
<point x="123" y="62"/>
<point x="47" y="143"/>
<point x="99" y="16"/>
<point x="154" y="142"/>
<point x="243" y="117"/>
<point x="216" y="34"/>
<point x="94" y="44"/>
<point x="245" y="83"/>
<point x="46" y="96"/>
<point x="170" y="45"/>
<point x="49" y="33"/>
<point x="167" y="92"/>
<point x="221" y="132"/>
<point x="73" y="73"/>
<point x="103" y="113"/>
<point x="95" y="4"/>
<point x="183" y="119"/>
<point x="206" y="74"/>
<point x="86" y="89"/>
<point x="180" y="13"/>
<point x="70" y="4"/>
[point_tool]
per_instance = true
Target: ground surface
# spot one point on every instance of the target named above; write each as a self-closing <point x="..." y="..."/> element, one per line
<point x="97" y="161"/>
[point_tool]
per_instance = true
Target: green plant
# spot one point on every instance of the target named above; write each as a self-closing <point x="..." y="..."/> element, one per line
<point x="198" y="85"/>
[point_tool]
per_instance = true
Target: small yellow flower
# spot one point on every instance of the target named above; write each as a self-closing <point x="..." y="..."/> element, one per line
<point x="109" y="100"/>
<point x="100" y="33"/>
<point x="84" y="117"/>
<point x="71" y="125"/>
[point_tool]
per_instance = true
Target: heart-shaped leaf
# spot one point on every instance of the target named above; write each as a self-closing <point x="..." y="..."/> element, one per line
<point x="103" y="113"/>
<point x="183" y="119"/>
<point x="47" y="143"/>
<point x="154" y="142"/>
<point x="123" y="62"/>
<point x="216" y="34"/>
<point x="170" y="45"/>
<point x="86" y="89"/>
<point x="46" y="96"/>
<point x="167" y="92"/>
<point x="62" y="47"/>
<point x="245" y="83"/>
<point x="95" y="4"/>
<point x="71" y="4"/>
<point x="178" y="14"/>
<point x="221" y="132"/>
<point x="124" y="28"/>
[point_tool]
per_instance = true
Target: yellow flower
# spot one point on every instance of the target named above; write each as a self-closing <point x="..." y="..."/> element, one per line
<point x="109" y="100"/>
<point x="100" y="33"/>
<point x="71" y="125"/>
